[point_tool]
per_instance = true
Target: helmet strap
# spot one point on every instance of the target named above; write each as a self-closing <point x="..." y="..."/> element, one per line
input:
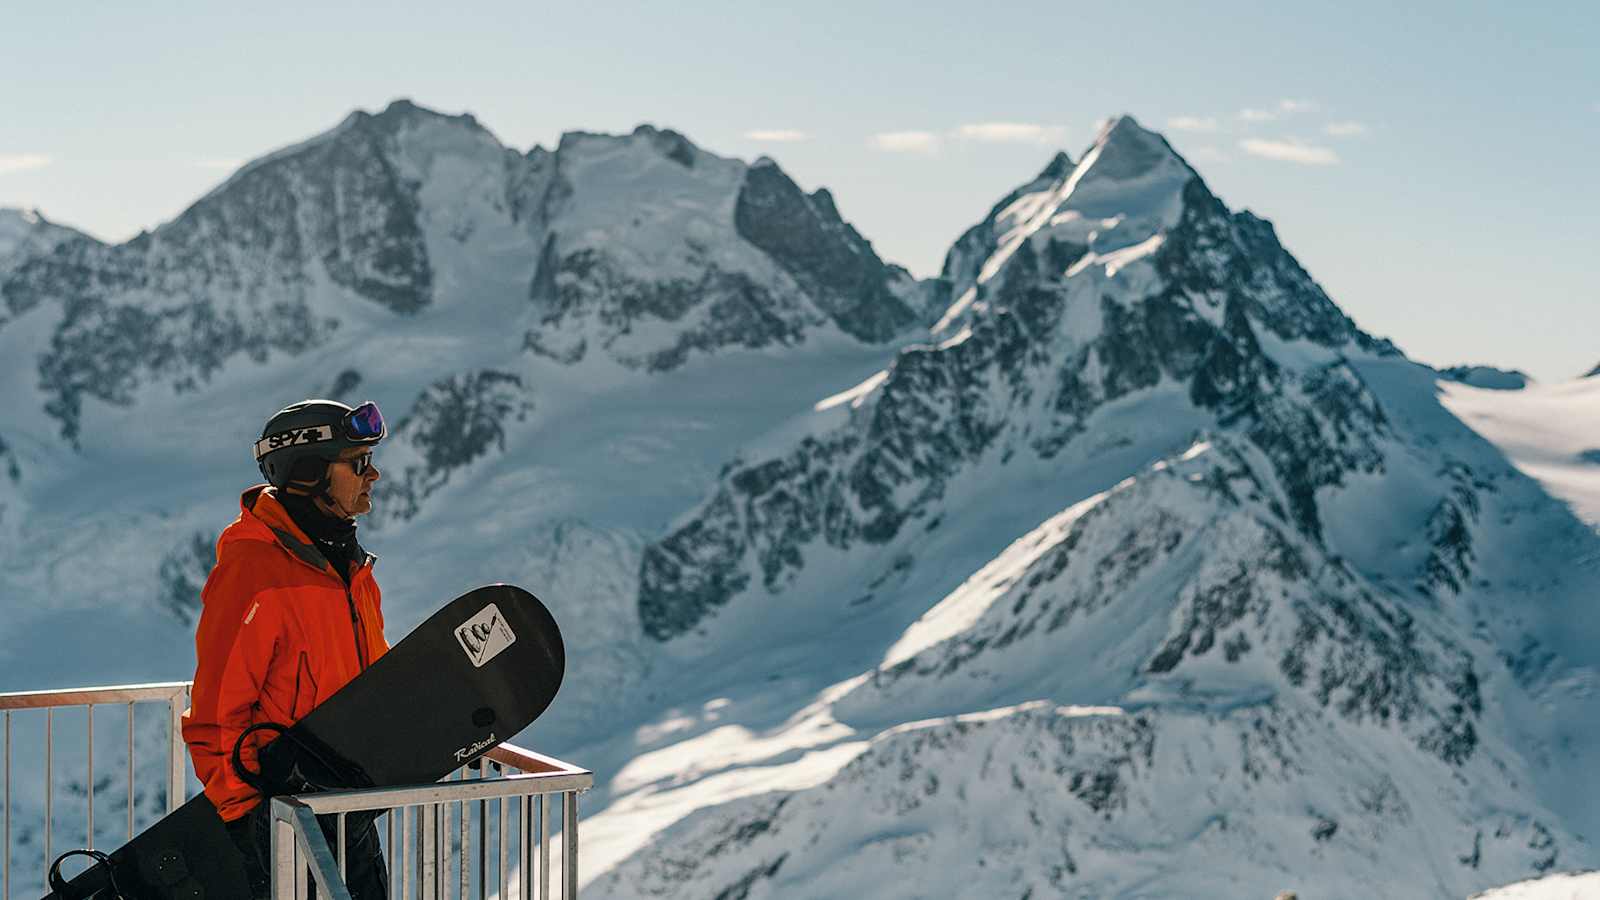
<point x="322" y="490"/>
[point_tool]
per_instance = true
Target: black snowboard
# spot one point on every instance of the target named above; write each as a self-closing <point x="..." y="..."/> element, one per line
<point x="474" y="674"/>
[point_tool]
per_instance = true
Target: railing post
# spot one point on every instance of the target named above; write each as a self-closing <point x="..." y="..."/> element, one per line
<point x="175" y="707"/>
<point x="282" y="844"/>
<point x="91" y="776"/>
<point x="306" y="833"/>
<point x="544" y="847"/>
<point x="428" y="851"/>
<point x="525" y="848"/>
<point x="7" y="888"/>
<point x="569" y="845"/>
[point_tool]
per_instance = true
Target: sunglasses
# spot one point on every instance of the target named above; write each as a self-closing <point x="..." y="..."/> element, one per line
<point x="359" y="464"/>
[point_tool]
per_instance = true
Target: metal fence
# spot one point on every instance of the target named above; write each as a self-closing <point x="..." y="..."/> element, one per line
<point x="173" y="694"/>
<point x="487" y="836"/>
<point x="486" y="831"/>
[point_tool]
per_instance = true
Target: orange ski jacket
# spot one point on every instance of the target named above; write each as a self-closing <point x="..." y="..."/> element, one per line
<point x="279" y="633"/>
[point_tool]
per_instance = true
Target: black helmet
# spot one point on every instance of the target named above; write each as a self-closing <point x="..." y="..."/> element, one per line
<point x="314" y="431"/>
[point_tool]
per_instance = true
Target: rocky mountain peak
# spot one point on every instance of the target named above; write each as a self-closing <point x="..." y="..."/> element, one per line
<point x="1124" y="149"/>
<point x="1060" y="166"/>
<point x="671" y="144"/>
<point x="26" y="232"/>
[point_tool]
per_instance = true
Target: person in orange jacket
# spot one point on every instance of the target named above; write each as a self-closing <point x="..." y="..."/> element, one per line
<point x="291" y="613"/>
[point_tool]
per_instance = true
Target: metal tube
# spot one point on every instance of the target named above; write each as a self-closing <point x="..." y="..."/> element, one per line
<point x="324" y="867"/>
<point x="284" y="881"/>
<point x="544" y="848"/>
<point x="465" y="824"/>
<point x="91" y="776"/>
<point x="130" y="770"/>
<point x="388" y="826"/>
<point x="80" y="696"/>
<point x="174" y="758"/>
<point x="343" y="872"/>
<point x="444" y="792"/>
<point x="500" y="867"/>
<point x="7" y="877"/>
<point x="428" y="837"/>
<point x="525" y="848"/>
<point x="405" y="837"/>
<point x="569" y="845"/>
<point x="49" y="780"/>
<point x="483" y="837"/>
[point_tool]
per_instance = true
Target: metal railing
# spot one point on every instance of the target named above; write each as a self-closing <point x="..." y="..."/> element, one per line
<point x="420" y="861"/>
<point x="430" y="859"/>
<point x="174" y="694"/>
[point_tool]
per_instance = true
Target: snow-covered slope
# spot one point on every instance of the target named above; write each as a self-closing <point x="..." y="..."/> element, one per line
<point x="1319" y="607"/>
<point x="1142" y="572"/>
<point x="1553" y="887"/>
<point x="1550" y="431"/>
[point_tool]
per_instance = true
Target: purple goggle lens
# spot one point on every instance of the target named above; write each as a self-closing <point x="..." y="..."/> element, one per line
<point x="365" y="423"/>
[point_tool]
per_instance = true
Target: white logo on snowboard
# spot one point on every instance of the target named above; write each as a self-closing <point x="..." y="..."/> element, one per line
<point x="485" y="635"/>
<point x="473" y="749"/>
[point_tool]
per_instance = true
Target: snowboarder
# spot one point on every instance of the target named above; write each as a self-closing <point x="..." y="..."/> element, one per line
<point x="291" y="613"/>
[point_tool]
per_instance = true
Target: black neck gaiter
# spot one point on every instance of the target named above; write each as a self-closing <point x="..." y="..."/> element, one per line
<point x="335" y="537"/>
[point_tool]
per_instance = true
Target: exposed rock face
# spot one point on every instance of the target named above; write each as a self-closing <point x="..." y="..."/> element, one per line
<point x="237" y="272"/>
<point x="637" y="246"/>
<point x="183" y="574"/>
<point x="657" y="272"/>
<point x="806" y="236"/>
<point x="1059" y="320"/>
<point x="1490" y="377"/>
<point x="453" y="423"/>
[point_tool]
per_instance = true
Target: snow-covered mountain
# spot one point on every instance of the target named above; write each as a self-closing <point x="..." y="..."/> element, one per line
<point x="1307" y="639"/>
<point x="1142" y="571"/>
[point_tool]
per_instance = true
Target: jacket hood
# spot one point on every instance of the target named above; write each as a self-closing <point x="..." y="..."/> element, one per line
<point x="263" y="518"/>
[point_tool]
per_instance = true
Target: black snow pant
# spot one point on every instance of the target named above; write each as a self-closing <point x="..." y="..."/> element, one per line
<point x="365" y="872"/>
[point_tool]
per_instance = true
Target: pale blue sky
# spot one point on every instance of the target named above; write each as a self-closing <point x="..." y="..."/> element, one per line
<point x="1461" y="222"/>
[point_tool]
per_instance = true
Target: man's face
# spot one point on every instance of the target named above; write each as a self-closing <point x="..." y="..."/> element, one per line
<point x="351" y="492"/>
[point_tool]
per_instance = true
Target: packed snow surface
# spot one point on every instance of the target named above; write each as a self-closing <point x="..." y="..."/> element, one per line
<point x="1571" y="886"/>
<point x="1549" y="431"/>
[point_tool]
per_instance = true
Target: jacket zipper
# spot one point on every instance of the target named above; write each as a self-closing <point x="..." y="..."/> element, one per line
<point x="355" y="629"/>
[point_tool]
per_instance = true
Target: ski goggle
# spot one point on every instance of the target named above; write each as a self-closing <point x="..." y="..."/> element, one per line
<point x="364" y="424"/>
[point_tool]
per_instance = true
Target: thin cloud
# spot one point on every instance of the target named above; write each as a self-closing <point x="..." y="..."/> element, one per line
<point x="906" y="141"/>
<point x="777" y="136"/>
<point x="1012" y="133"/>
<point x="1290" y="151"/>
<point x="1285" y="107"/>
<point x="1345" y="129"/>
<point x="22" y="162"/>
<point x="1192" y="123"/>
